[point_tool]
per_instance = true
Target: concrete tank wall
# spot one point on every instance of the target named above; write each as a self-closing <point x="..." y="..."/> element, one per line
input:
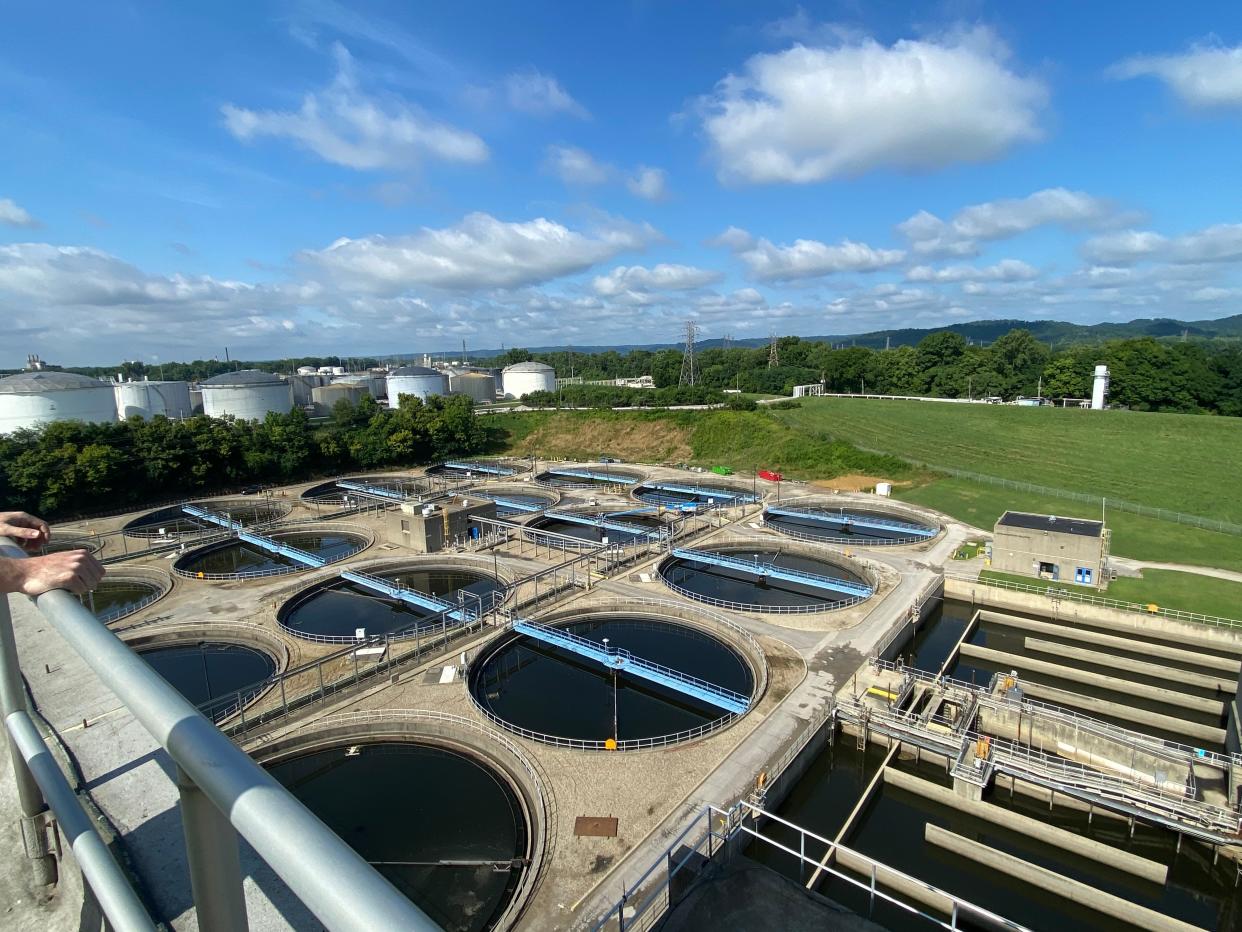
<point x="521" y="382"/>
<point x="151" y="399"/>
<point x="247" y="402"/>
<point x="33" y="409"/>
<point x="477" y="385"/>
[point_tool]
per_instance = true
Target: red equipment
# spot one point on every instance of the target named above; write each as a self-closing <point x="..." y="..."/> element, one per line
<point x="770" y="476"/>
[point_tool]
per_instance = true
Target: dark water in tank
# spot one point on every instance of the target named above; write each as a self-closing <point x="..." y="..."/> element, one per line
<point x="443" y="469"/>
<point x="114" y="598"/>
<point x="339" y="607"/>
<point x="671" y="497"/>
<point x="504" y="511"/>
<point x="593" y="534"/>
<point x="738" y="586"/>
<point x="174" y="520"/>
<point x="555" y="692"/>
<point x="406" y="808"/>
<point x="206" y="671"/>
<point x="822" y="530"/>
<point x="243" y="558"/>
<point x="891" y="830"/>
<point x="331" y="492"/>
<point x="572" y="482"/>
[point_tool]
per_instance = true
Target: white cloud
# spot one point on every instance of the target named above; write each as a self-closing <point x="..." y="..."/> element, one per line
<point x="345" y="126"/>
<point x="1007" y="270"/>
<point x="14" y="215"/>
<point x="805" y="258"/>
<point x="478" y="253"/>
<point x="1220" y="243"/>
<point x="538" y="94"/>
<point x="1205" y="76"/>
<point x="648" y="183"/>
<point x="993" y="220"/>
<point x="662" y="277"/>
<point x="812" y="113"/>
<point x="576" y="166"/>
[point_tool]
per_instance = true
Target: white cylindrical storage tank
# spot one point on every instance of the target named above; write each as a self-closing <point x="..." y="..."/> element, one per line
<point x="478" y="385"/>
<point x="418" y="381"/>
<point x="525" y="377"/>
<point x="338" y="370"/>
<point x="307" y="370"/>
<point x="326" y="396"/>
<point x="248" y="395"/>
<point x="31" y="399"/>
<point x="151" y="399"/>
<point x="1099" y="389"/>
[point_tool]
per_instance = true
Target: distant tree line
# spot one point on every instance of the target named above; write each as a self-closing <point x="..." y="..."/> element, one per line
<point x="69" y="467"/>
<point x="1147" y="374"/>
<point x="206" y="368"/>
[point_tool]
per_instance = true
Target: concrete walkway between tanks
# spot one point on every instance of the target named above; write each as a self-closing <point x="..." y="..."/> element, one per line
<point x="1213" y="571"/>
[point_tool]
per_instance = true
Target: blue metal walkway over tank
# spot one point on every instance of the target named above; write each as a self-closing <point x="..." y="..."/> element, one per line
<point x="700" y="492"/>
<point x="517" y="506"/>
<point x="378" y="491"/>
<point x="264" y="543"/>
<point x="635" y="530"/>
<point x="769" y="571"/>
<point x="413" y="596"/>
<point x="625" y="662"/>
<point x="593" y="476"/>
<point x="845" y="519"/>
<point x="489" y="468"/>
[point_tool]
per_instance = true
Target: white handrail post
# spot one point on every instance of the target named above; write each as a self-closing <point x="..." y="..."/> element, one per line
<point x="29" y="796"/>
<point x="215" y="862"/>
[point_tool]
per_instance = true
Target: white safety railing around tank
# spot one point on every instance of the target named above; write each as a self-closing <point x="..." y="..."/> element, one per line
<point x="757" y="608"/>
<point x="223" y="794"/>
<point x="365" y="537"/>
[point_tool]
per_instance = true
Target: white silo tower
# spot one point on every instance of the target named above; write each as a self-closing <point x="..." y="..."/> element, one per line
<point x="523" y="378"/>
<point x="1099" y="388"/>
<point x="31" y="399"/>
<point x="418" y="381"/>
<point x="248" y="395"/>
<point x="149" y="399"/>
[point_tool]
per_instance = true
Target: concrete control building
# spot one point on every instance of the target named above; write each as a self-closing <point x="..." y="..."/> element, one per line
<point x="432" y="528"/>
<point x="1051" y="547"/>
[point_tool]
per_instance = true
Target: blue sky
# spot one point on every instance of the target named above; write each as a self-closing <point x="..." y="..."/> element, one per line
<point x="315" y="178"/>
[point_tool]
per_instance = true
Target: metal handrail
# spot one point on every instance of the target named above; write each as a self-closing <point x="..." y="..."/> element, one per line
<point x="762" y="609"/>
<point x="222" y="787"/>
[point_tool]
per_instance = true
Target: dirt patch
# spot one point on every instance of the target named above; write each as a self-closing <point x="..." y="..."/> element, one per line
<point x="854" y="482"/>
<point x="633" y="441"/>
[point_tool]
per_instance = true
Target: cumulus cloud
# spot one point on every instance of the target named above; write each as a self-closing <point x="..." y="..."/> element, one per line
<point x="805" y="258"/>
<point x="344" y="125"/>
<point x="479" y="252"/>
<point x="1007" y="270"/>
<point x="662" y="277"/>
<point x="1220" y="243"/>
<point x="538" y="94"/>
<point x="11" y="214"/>
<point x="648" y="183"/>
<point x="1001" y="219"/>
<point x="1205" y="76"/>
<point x="576" y="166"/>
<point x="810" y="113"/>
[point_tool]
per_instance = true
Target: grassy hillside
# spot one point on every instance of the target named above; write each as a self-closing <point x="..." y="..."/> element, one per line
<point x="1181" y="462"/>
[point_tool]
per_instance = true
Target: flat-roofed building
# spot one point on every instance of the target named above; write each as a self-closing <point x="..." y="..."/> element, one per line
<point x="1051" y="547"/>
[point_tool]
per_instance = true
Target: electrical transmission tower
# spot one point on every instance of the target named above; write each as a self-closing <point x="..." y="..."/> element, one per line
<point x="774" y="354"/>
<point x="688" y="374"/>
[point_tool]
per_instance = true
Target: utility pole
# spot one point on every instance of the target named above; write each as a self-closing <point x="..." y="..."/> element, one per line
<point x="774" y="353"/>
<point x="688" y="374"/>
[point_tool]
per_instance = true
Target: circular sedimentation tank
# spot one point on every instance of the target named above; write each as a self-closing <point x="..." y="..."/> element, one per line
<point x="445" y="826"/>
<point x="616" y="525"/>
<point x="477" y="469"/>
<point x="208" y="671"/>
<point x="239" y="559"/>
<point x="510" y="499"/>
<point x="62" y="542"/>
<point x="602" y="476"/>
<point x="335" y="609"/>
<point x="860" y="527"/>
<point x="117" y="596"/>
<point x="173" y="519"/>
<point x="550" y="693"/>
<point x="759" y="586"/>
<point x="330" y="492"/>
<point x="679" y="494"/>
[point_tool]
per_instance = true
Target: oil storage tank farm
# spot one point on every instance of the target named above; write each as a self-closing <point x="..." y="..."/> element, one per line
<point x="418" y="381"/>
<point x="248" y="395"/>
<point x="148" y="399"/>
<point x="848" y="523"/>
<point x="758" y="577"/>
<point x="522" y="378"/>
<point x="31" y="399"/>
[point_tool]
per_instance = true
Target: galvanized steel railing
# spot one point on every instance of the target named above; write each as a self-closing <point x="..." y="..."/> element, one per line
<point x="223" y="794"/>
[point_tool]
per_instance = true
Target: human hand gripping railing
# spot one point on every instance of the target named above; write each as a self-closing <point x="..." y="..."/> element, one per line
<point x="222" y="789"/>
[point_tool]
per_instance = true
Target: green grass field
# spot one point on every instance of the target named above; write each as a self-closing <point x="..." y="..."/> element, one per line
<point x="1181" y="462"/>
<point x="1165" y="588"/>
